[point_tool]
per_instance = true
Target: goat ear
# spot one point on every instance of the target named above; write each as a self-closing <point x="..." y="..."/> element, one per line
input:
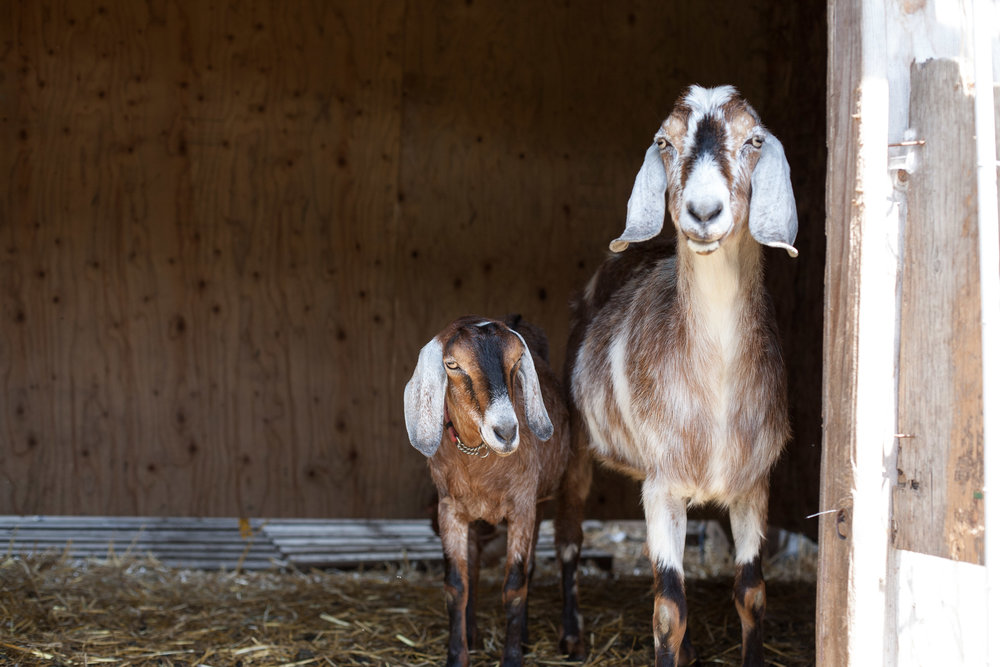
<point x="534" y="406"/>
<point x="773" y="220"/>
<point x="423" y="399"/>
<point x="647" y="205"/>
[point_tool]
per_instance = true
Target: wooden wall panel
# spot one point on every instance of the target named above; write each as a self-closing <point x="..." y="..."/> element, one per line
<point x="227" y="230"/>
<point x="196" y="285"/>
<point x="938" y="500"/>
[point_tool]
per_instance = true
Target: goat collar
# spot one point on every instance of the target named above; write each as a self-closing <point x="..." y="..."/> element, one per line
<point x="462" y="447"/>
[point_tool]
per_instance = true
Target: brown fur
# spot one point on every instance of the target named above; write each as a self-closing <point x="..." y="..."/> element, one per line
<point x="496" y="488"/>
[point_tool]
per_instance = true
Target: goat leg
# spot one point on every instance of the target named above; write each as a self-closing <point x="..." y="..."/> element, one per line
<point x="669" y="616"/>
<point x="747" y="520"/>
<point x="525" y="638"/>
<point x="666" y="530"/>
<point x="515" y="585"/>
<point x="471" y="627"/>
<point x="569" y="540"/>
<point x="455" y="540"/>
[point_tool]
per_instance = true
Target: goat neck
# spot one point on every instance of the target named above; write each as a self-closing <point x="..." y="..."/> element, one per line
<point x="714" y="289"/>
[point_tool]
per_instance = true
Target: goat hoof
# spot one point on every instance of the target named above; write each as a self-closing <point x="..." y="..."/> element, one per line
<point x="688" y="654"/>
<point x="512" y="661"/>
<point x="574" y="648"/>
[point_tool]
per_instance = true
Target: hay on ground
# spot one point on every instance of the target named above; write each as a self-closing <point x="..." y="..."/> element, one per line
<point x="136" y="611"/>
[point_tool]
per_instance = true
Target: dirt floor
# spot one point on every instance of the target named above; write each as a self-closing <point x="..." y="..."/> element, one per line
<point x="54" y="611"/>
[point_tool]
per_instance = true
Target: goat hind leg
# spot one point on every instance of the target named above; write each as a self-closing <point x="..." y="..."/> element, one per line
<point x="525" y="639"/>
<point x="573" y="491"/>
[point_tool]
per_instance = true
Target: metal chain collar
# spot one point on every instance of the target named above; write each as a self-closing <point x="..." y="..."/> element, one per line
<point x="465" y="449"/>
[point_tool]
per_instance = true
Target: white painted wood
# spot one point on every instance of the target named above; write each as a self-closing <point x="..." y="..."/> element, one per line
<point x="917" y="31"/>
<point x="985" y="46"/>
<point x="941" y="611"/>
<point x="875" y="408"/>
<point x="892" y="36"/>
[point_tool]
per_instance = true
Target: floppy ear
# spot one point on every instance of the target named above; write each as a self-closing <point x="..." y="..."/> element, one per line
<point x="773" y="220"/>
<point x="423" y="399"/>
<point x="534" y="407"/>
<point x="647" y="206"/>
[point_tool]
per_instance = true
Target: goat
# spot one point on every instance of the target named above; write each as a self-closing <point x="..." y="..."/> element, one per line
<point x="465" y="390"/>
<point x="674" y="364"/>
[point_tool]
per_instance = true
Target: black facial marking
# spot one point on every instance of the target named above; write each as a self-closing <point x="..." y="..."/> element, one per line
<point x="489" y="351"/>
<point x="470" y="391"/>
<point x="709" y="141"/>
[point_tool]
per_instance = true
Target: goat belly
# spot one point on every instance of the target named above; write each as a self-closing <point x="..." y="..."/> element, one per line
<point x="708" y="450"/>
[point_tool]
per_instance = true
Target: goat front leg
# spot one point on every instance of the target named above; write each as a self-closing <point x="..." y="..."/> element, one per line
<point x="455" y="542"/>
<point x="748" y="519"/>
<point x="520" y="530"/>
<point x="471" y="626"/>
<point x="666" y="531"/>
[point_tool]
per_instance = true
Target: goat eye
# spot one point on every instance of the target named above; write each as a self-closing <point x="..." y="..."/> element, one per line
<point x="662" y="143"/>
<point x="756" y="141"/>
<point x="453" y="365"/>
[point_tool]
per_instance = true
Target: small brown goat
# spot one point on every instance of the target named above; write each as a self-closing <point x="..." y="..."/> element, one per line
<point x="674" y="363"/>
<point x="481" y="381"/>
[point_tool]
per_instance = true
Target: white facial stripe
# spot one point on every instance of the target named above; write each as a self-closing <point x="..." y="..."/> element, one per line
<point x="500" y="415"/>
<point x="703" y="100"/>
<point x="706" y="193"/>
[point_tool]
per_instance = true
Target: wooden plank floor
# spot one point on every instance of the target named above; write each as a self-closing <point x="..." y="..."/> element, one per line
<point x="223" y="543"/>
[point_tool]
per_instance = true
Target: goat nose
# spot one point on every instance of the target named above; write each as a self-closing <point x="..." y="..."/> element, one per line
<point x="705" y="210"/>
<point x="506" y="434"/>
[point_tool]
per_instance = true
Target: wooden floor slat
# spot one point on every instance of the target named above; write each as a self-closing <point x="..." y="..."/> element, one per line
<point x="213" y="543"/>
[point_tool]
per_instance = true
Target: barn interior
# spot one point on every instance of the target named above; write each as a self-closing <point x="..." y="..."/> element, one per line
<point x="228" y="228"/>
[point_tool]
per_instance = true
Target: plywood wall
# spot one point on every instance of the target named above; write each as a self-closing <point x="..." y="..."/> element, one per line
<point x="226" y="230"/>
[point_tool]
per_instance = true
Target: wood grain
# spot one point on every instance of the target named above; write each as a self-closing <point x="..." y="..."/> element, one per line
<point x="938" y="503"/>
<point x="226" y="230"/>
<point x="840" y="353"/>
<point x="194" y="322"/>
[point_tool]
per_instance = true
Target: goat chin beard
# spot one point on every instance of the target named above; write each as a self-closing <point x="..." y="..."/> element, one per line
<point x="702" y="248"/>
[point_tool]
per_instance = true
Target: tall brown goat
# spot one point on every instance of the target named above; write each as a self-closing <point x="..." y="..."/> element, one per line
<point x="476" y="385"/>
<point x="674" y="361"/>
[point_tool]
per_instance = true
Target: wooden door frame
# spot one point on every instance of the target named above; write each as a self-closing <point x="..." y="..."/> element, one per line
<point x="859" y="401"/>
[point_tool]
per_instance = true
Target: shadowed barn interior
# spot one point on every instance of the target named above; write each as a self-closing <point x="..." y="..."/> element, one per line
<point x="226" y="229"/>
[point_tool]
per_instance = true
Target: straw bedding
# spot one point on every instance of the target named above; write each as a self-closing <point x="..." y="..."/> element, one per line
<point x="134" y="611"/>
